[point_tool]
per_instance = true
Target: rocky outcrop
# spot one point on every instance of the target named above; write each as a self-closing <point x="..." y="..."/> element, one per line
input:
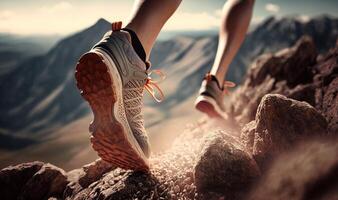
<point x="80" y="179"/>
<point x="49" y="181"/>
<point x="120" y="184"/>
<point x="298" y="73"/>
<point x="281" y="123"/>
<point x="308" y="172"/>
<point x="34" y="180"/>
<point x="13" y="179"/>
<point x="288" y="98"/>
<point x="326" y="84"/>
<point x="274" y="73"/>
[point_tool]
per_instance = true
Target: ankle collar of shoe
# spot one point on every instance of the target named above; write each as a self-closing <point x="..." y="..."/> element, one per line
<point x="226" y="84"/>
<point x="209" y="77"/>
<point x="137" y="45"/>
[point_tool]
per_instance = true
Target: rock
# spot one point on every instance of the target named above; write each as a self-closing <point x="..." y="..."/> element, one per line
<point x="303" y="93"/>
<point x="224" y="167"/>
<point x="326" y="82"/>
<point x="280" y="123"/>
<point x="296" y="73"/>
<point x="291" y="64"/>
<point x="83" y="177"/>
<point x="14" y="178"/>
<point x="49" y="181"/>
<point x="34" y="180"/>
<point x="125" y="185"/>
<point x="248" y="135"/>
<point x="308" y="172"/>
<point x="277" y="73"/>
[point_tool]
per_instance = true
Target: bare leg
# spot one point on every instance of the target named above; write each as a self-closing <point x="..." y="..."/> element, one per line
<point x="148" y="18"/>
<point x="236" y="18"/>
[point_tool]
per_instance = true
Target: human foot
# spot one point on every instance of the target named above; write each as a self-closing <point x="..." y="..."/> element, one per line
<point x="211" y="97"/>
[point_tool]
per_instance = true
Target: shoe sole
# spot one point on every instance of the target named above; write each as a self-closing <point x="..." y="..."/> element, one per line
<point x="208" y="106"/>
<point x="100" y="84"/>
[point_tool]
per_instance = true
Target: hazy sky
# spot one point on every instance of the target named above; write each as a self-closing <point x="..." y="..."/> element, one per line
<point x="67" y="16"/>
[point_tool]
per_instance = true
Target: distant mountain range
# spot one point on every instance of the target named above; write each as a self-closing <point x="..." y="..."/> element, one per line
<point x="15" y="48"/>
<point x="39" y="95"/>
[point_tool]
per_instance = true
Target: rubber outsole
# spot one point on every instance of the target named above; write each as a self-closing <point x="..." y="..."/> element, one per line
<point x="109" y="137"/>
<point x="206" y="107"/>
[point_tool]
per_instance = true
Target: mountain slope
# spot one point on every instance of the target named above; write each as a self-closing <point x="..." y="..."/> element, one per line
<point x="15" y="48"/>
<point x="42" y="89"/>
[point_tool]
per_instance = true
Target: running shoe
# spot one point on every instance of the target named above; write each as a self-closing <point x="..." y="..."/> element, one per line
<point x="211" y="97"/>
<point x="112" y="78"/>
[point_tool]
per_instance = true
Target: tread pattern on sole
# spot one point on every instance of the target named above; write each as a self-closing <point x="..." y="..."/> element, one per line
<point x="108" y="138"/>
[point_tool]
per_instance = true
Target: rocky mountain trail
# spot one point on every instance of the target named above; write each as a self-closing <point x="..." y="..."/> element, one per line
<point x="298" y="73"/>
<point x="285" y="146"/>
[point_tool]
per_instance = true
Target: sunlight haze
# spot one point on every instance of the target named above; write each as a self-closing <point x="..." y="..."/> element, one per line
<point x="68" y="16"/>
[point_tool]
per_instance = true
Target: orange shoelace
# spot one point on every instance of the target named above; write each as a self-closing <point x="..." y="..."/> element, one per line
<point x="228" y="84"/>
<point x="151" y="85"/>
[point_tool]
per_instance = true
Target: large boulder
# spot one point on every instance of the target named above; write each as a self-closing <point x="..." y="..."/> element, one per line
<point x="280" y="123"/>
<point x="49" y="181"/>
<point x="224" y="167"/>
<point x="34" y="180"/>
<point x="308" y="172"/>
<point x="14" y="178"/>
